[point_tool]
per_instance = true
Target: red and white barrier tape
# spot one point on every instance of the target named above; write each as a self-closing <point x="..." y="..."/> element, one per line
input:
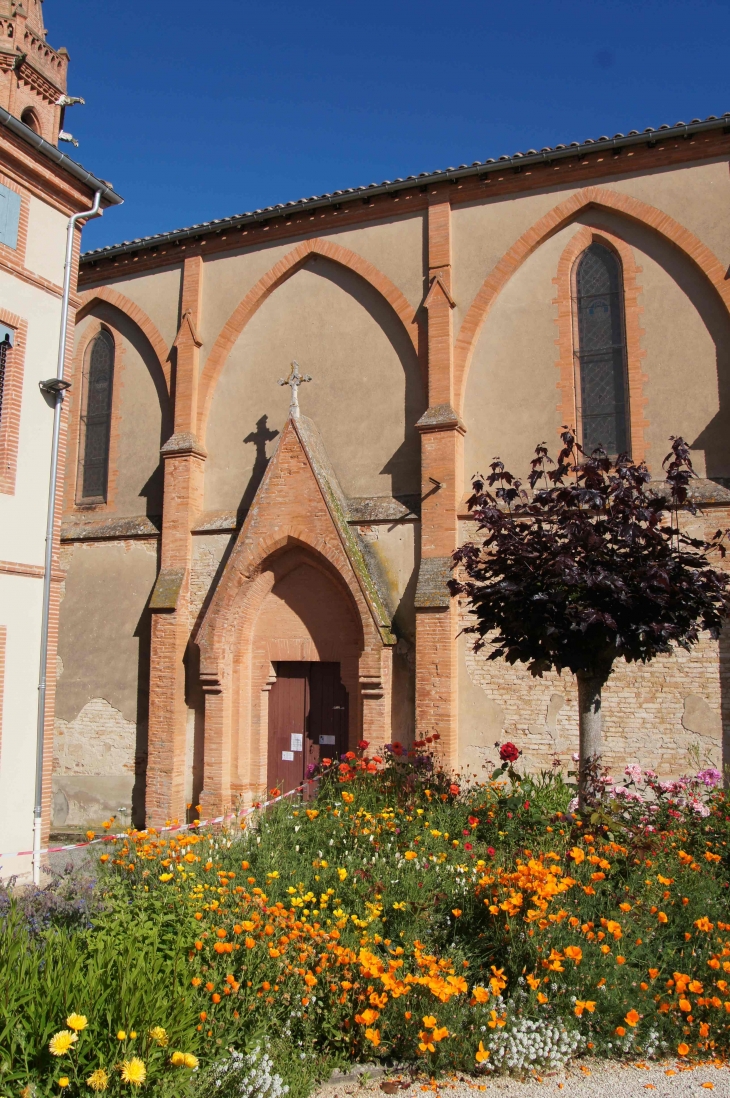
<point x="196" y="826"/>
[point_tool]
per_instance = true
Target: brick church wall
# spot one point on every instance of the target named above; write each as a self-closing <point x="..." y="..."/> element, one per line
<point x="342" y="289"/>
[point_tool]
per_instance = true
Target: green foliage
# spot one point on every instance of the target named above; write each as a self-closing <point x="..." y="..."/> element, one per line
<point x="127" y="973"/>
<point x="397" y="915"/>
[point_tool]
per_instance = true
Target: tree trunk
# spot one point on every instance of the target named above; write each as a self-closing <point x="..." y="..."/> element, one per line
<point x="590" y="726"/>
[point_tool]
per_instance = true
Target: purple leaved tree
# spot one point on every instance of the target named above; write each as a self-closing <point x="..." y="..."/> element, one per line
<point x="590" y="567"/>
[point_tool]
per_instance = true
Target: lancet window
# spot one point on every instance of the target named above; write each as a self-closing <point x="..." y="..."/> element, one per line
<point x="600" y="352"/>
<point x="96" y="417"/>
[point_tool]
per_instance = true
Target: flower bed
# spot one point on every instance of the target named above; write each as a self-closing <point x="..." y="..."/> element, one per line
<point x="397" y="916"/>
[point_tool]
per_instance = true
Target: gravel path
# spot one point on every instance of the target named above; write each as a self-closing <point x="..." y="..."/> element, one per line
<point x="593" y="1080"/>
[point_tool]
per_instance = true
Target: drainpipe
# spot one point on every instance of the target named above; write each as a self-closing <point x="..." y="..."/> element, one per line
<point x="55" y="385"/>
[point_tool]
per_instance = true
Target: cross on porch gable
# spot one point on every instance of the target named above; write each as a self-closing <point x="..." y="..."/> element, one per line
<point x="294" y="380"/>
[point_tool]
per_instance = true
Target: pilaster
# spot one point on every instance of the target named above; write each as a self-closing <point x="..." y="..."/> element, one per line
<point x="184" y="459"/>
<point x="441" y="476"/>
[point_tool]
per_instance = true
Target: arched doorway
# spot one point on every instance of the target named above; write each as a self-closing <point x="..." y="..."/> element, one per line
<point x="306" y="644"/>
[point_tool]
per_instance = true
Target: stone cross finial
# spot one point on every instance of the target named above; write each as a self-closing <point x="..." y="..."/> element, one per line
<point x="294" y="380"/>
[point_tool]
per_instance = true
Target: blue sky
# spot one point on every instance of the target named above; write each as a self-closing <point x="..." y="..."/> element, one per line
<point x="196" y="111"/>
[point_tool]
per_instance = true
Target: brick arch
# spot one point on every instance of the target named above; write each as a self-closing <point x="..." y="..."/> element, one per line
<point x="275" y="277"/>
<point x="552" y="222"/>
<point x="136" y="315"/>
<point x="234" y="676"/>
<point x="238" y="594"/>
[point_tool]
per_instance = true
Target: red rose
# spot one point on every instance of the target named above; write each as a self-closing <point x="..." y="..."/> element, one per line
<point x="454" y="790"/>
<point x="467" y="846"/>
<point x="363" y="744"/>
<point x="509" y="753"/>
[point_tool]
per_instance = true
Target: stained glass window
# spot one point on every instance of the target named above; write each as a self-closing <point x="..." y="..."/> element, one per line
<point x="601" y="352"/>
<point x="96" y="419"/>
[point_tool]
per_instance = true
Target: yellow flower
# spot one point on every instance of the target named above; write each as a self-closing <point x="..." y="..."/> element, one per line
<point x="482" y="1054"/>
<point x="184" y="1059"/>
<point x="399" y="906"/>
<point x="429" y="1021"/>
<point x="166" y="876"/>
<point x="77" y="1021"/>
<point x="577" y="855"/>
<point x="541" y="997"/>
<point x="61" y="1043"/>
<point x="481" y="994"/>
<point x="410" y="855"/>
<point x="121" y="1035"/>
<point x="64" y="1081"/>
<point x="157" y="1033"/>
<point x="98" y="1080"/>
<point x="134" y="1071"/>
<point x="373" y="1035"/>
<point x="574" y="953"/>
<point x="342" y="873"/>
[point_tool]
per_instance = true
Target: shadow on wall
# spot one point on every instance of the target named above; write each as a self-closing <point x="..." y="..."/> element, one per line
<point x="258" y="438"/>
<point x="366" y="397"/>
<point x="143" y="420"/>
<point x="403" y="466"/>
<point x="143" y="633"/>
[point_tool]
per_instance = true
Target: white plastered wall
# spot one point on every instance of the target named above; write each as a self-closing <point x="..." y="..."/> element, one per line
<point x="22" y="531"/>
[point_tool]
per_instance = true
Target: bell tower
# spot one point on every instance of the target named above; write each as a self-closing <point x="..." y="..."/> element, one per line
<point x="32" y="73"/>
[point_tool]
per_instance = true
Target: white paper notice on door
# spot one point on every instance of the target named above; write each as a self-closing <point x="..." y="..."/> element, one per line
<point x="287" y="756"/>
<point x="326" y="741"/>
<point x="296" y="741"/>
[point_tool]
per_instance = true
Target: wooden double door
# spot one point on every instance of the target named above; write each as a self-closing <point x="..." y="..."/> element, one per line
<point x="308" y="721"/>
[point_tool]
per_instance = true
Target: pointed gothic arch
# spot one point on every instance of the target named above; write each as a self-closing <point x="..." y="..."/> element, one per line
<point x="297" y="522"/>
<point x="137" y="316"/>
<point x="287" y="266"/>
<point x="601" y="198"/>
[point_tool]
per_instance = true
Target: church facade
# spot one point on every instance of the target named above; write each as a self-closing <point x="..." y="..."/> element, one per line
<point x="255" y="574"/>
